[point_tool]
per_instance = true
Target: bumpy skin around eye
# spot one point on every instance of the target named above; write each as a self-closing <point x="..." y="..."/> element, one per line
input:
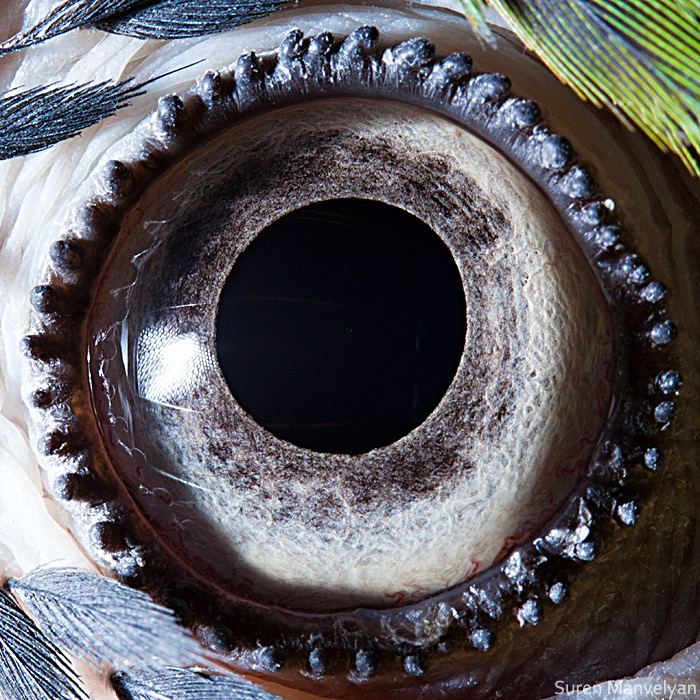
<point x="658" y="217"/>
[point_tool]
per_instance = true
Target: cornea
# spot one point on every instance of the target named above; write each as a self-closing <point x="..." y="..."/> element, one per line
<point x="363" y="643"/>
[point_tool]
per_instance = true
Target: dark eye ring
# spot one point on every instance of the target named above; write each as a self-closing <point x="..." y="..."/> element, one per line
<point x="536" y="573"/>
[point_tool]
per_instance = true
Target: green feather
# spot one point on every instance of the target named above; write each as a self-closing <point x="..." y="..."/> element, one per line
<point x="474" y="10"/>
<point x="640" y="58"/>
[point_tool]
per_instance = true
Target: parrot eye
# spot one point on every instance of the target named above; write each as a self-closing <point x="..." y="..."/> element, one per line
<point x="273" y="516"/>
<point x="346" y="352"/>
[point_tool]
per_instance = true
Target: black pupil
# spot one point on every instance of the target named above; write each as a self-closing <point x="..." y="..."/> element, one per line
<point x="341" y="326"/>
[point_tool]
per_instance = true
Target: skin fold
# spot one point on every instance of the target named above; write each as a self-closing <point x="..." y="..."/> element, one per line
<point x="633" y="605"/>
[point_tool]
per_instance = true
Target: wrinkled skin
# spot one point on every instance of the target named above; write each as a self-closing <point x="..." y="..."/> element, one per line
<point x="643" y="587"/>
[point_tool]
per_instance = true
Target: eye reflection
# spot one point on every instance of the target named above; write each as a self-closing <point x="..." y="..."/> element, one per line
<point x="169" y="365"/>
<point x="341" y="326"/>
<point x="655" y="250"/>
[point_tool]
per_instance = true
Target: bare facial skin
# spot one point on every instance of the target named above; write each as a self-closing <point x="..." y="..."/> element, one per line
<point x="39" y="192"/>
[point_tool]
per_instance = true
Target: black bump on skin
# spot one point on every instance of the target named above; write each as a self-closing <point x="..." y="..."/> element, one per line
<point x="366" y="663"/>
<point x="653" y="293"/>
<point x="669" y="382"/>
<point x="65" y="486"/>
<point x="664" y="411"/>
<point x="530" y="612"/>
<point x="42" y="398"/>
<point x="67" y="255"/>
<point x="271" y="658"/>
<point x="218" y="638"/>
<point x="488" y="601"/>
<point x="524" y="113"/>
<point x="171" y="113"/>
<point x="320" y="47"/>
<point x="54" y="442"/>
<point x="607" y="236"/>
<point x="482" y="639"/>
<point x="118" y="179"/>
<point x="46" y="299"/>
<point x="578" y="183"/>
<point x="556" y="153"/>
<point x="627" y="513"/>
<point x="489" y="87"/>
<point x="451" y="70"/>
<point x="53" y="351"/>
<point x="638" y="275"/>
<point x="47" y="396"/>
<point x="248" y="70"/>
<point x="95" y="224"/>
<point x="79" y="487"/>
<point x="211" y="87"/>
<point x="94" y="221"/>
<point x="130" y="572"/>
<point x="516" y="569"/>
<point x="319" y="661"/>
<point x="414" y="54"/>
<point x="593" y="213"/>
<point x="415" y="664"/>
<point x="653" y="458"/>
<point x="586" y="551"/>
<point x="558" y="593"/>
<point x="662" y="333"/>
<point x="626" y="265"/>
<point x="359" y="42"/>
<point x="292" y="45"/>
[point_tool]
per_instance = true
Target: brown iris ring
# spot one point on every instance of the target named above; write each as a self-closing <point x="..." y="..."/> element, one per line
<point x="644" y="386"/>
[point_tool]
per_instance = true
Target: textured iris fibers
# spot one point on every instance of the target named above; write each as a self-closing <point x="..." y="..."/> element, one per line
<point x="342" y="325"/>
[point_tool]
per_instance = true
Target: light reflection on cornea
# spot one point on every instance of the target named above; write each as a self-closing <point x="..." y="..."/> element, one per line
<point x="169" y="365"/>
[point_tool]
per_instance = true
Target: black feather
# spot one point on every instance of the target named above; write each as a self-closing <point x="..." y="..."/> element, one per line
<point x="185" y="684"/>
<point x="31" y="667"/>
<point x="101" y="620"/>
<point x="32" y="120"/>
<point x="178" y="19"/>
<point x="67" y="16"/>
<point x="145" y="19"/>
